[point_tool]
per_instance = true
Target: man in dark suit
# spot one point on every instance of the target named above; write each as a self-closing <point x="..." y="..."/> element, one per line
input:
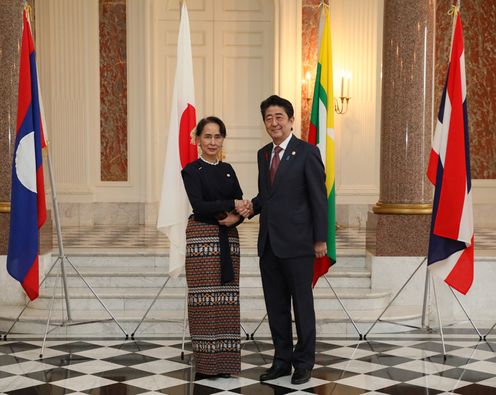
<point x="292" y="203"/>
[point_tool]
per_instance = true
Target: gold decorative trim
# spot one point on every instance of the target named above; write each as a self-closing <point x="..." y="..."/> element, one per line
<point x="399" y="208"/>
<point x="4" y="207"/>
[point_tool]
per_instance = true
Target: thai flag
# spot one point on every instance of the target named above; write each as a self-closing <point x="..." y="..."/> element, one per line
<point x="28" y="208"/>
<point x="451" y="245"/>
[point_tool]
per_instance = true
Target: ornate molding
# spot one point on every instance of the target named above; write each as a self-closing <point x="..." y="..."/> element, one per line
<point x="4" y="207"/>
<point x="400" y="208"/>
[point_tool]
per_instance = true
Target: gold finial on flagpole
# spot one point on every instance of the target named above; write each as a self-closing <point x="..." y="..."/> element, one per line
<point x="28" y="9"/>
<point x="181" y="3"/>
<point x="454" y="9"/>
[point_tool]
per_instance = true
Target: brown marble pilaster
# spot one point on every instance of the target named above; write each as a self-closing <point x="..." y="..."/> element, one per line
<point x="113" y="91"/>
<point x="479" y="36"/>
<point x="399" y="224"/>
<point x="10" y="38"/>
<point x="309" y="37"/>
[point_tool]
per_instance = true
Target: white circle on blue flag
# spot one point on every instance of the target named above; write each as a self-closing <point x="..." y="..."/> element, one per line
<point x="25" y="162"/>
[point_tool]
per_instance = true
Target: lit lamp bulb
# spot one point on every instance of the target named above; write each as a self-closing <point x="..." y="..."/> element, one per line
<point x="341" y="105"/>
<point x="308" y="78"/>
<point x="347" y="83"/>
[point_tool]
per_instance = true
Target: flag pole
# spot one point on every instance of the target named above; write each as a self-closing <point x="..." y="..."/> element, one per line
<point x="62" y="257"/>
<point x="60" y="242"/>
<point x="325" y="62"/>
<point x="181" y="3"/>
<point x="393" y="299"/>
<point x="433" y="174"/>
<point x="439" y="318"/>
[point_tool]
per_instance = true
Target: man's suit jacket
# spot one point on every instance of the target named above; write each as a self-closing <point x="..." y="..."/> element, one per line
<point x="293" y="211"/>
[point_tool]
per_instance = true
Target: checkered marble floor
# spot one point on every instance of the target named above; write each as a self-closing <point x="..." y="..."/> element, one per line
<point x="148" y="238"/>
<point x="398" y="364"/>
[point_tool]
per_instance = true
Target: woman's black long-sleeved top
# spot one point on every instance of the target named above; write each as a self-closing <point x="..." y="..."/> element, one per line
<point x="211" y="189"/>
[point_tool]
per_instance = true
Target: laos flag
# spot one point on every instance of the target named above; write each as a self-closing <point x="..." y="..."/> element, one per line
<point x="28" y="208"/>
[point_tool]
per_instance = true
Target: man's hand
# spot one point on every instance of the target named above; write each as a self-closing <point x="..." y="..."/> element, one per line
<point x="320" y="249"/>
<point x="244" y="207"/>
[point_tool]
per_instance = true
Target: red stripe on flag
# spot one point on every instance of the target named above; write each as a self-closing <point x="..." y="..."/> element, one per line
<point x="40" y="197"/>
<point x="42" y="134"/>
<point x="454" y="185"/>
<point x="320" y="267"/>
<point x="312" y="134"/>
<point x="31" y="281"/>
<point x="24" y="93"/>
<point x="462" y="274"/>
<point x="432" y="169"/>
<point x="187" y="151"/>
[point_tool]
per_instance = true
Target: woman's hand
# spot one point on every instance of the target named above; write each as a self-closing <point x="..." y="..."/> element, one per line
<point x="230" y="220"/>
<point x="244" y="207"/>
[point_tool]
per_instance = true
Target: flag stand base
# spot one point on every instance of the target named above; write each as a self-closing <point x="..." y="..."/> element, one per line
<point x="424" y="308"/>
<point x="62" y="258"/>
<point x="489" y="331"/>
<point x="360" y="336"/>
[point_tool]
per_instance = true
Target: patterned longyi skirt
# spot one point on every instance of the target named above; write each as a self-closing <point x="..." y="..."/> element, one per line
<point x="213" y="309"/>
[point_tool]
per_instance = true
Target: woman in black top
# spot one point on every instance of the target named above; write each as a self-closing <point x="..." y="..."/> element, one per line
<point x="212" y="255"/>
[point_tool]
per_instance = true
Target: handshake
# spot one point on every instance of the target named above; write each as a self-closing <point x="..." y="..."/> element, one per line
<point x="244" y="207"/>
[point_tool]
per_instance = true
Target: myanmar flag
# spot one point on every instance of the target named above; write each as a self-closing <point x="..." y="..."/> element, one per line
<point x="321" y="133"/>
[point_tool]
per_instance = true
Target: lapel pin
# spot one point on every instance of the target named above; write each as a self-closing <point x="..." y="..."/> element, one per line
<point x="228" y="175"/>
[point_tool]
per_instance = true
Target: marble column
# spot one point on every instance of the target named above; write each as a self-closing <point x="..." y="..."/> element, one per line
<point x="10" y="39"/>
<point x="399" y="223"/>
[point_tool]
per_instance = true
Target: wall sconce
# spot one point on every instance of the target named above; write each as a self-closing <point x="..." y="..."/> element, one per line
<point x="341" y="103"/>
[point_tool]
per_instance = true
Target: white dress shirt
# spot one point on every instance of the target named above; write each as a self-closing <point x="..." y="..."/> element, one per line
<point x="283" y="146"/>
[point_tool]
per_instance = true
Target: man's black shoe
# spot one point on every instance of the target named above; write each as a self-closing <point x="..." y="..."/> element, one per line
<point x="274" y="373"/>
<point x="301" y="376"/>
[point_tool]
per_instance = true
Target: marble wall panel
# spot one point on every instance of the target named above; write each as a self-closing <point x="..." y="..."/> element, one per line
<point x="478" y="19"/>
<point x="309" y="44"/>
<point x="113" y="91"/>
<point x="10" y="40"/>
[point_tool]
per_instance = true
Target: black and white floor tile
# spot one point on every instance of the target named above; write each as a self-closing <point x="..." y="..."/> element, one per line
<point x="129" y="237"/>
<point x="405" y="364"/>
